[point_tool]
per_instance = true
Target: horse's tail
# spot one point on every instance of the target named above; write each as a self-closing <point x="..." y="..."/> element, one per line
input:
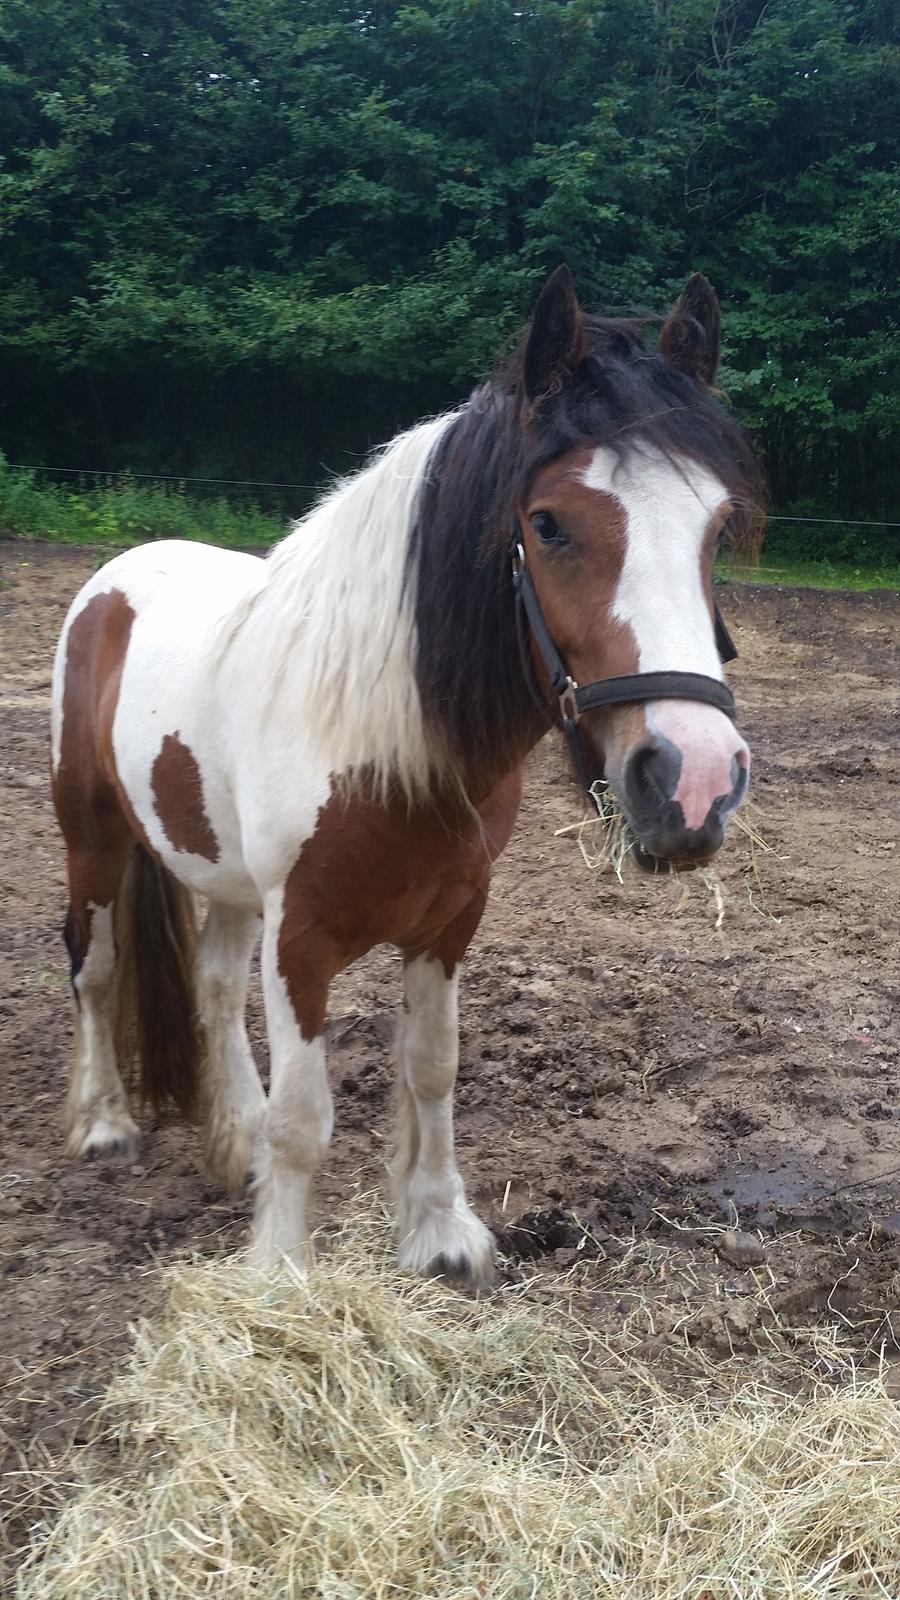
<point x="156" y="1021"/>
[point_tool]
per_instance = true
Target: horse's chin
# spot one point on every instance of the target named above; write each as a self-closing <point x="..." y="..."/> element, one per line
<point x="694" y="856"/>
<point x="646" y="861"/>
<point x="656" y="864"/>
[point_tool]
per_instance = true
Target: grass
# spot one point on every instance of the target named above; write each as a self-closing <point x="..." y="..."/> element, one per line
<point x="126" y="514"/>
<point x="796" y="573"/>
<point x="356" y="1433"/>
<point x="131" y="513"/>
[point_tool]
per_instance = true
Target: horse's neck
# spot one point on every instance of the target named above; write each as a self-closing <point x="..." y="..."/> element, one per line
<point x="331" y="641"/>
<point x="328" y="643"/>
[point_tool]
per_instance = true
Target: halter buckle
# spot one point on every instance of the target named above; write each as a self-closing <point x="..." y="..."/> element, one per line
<point x="568" y="705"/>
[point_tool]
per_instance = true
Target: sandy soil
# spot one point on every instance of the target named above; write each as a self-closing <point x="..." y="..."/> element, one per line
<point x="627" y="1068"/>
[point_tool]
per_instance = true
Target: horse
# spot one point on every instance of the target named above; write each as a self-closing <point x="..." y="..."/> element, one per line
<point x="329" y="742"/>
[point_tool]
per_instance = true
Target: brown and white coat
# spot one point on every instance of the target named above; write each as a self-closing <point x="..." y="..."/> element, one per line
<point x="331" y="740"/>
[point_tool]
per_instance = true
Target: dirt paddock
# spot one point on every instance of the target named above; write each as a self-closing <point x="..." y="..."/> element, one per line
<point x="629" y="1072"/>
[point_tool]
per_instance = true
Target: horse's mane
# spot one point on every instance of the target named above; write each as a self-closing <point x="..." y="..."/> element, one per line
<point x="332" y="623"/>
<point x="624" y="396"/>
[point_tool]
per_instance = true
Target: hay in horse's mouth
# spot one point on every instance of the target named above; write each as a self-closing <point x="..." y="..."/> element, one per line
<point x="669" y="864"/>
<point x="623" y="844"/>
<point x="605" y="837"/>
<point x="607" y="843"/>
<point x="607" y="840"/>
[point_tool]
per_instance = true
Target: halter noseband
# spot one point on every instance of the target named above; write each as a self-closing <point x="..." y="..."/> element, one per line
<point x="634" y="688"/>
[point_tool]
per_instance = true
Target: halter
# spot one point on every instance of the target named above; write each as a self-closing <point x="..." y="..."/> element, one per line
<point x="633" y="689"/>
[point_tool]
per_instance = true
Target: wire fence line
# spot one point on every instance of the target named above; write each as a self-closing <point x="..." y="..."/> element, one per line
<point x="160" y="477"/>
<point x="309" y="488"/>
<point x="839" y="522"/>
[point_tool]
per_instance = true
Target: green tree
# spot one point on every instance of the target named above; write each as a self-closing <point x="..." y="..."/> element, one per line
<point x="253" y="238"/>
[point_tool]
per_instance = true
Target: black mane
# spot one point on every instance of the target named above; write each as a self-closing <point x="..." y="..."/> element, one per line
<point x="474" y="692"/>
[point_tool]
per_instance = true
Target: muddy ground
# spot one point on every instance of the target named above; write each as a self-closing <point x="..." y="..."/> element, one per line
<point x="632" y="1077"/>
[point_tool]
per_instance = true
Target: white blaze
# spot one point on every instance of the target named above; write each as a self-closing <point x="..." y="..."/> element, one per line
<point x="661" y="597"/>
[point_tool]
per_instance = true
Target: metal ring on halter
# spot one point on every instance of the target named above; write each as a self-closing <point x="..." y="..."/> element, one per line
<point x="568" y="702"/>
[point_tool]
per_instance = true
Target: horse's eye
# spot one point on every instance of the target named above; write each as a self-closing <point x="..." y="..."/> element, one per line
<point x="547" y="528"/>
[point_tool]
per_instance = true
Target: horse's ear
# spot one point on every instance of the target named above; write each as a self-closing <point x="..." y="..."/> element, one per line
<point x="691" y="333"/>
<point x="556" y="344"/>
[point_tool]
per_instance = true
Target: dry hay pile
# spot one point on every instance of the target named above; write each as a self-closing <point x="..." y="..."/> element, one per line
<point x="360" y="1434"/>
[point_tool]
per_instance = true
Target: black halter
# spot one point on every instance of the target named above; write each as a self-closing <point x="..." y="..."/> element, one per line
<point x="635" y="688"/>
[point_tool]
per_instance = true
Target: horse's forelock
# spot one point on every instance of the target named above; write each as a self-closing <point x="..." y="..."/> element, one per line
<point x="629" y="398"/>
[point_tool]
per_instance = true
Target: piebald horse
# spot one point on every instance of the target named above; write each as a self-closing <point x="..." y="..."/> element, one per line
<point x="331" y="740"/>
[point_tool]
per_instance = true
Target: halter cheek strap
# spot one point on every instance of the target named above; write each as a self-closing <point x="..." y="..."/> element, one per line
<point x="635" y="688"/>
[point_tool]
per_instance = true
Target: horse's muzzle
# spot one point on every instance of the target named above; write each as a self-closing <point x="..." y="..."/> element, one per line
<point x="678" y="801"/>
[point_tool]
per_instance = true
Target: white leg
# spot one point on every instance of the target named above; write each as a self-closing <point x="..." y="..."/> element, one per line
<point x="297" y="1125"/>
<point x="436" y="1229"/>
<point x="97" y="1119"/>
<point x="233" y="1098"/>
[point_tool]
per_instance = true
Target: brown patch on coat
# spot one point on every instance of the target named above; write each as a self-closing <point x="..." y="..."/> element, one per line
<point x="84" y="784"/>
<point x="576" y="586"/>
<point x="453" y="942"/>
<point x="177" y="784"/>
<point x="373" y="874"/>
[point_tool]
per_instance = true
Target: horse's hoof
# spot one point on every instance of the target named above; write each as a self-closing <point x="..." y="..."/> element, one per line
<point x="227" y="1150"/>
<point x="112" y="1136"/>
<point x="452" y="1245"/>
<point x="476" y="1282"/>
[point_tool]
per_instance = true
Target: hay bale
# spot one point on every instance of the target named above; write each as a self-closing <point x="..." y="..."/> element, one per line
<point x="362" y="1434"/>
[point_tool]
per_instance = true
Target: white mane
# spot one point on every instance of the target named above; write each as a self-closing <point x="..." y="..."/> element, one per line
<point x="335" y="620"/>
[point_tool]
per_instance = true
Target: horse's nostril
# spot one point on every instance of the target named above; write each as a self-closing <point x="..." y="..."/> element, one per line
<point x="740" y="772"/>
<point x="653" y="773"/>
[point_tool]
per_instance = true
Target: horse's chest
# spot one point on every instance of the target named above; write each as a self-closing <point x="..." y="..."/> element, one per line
<point x="371" y="874"/>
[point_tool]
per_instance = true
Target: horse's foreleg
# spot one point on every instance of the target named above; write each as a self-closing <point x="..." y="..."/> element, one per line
<point x="437" y="1230"/>
<point x="233" y="1098"/>
<point x="298" y="1120"/>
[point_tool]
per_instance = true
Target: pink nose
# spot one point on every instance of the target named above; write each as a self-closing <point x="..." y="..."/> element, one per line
<point x="682" y="781"/>
<point x="715" y="761"/>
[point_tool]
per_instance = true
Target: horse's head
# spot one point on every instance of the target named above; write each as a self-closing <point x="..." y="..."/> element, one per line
<point x="631" y="471"/>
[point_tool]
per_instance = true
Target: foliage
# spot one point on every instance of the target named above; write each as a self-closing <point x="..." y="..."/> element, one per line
<point x="869" y="545"/>
<point x="252" y="237"/>
<point x="124" y="514"/>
